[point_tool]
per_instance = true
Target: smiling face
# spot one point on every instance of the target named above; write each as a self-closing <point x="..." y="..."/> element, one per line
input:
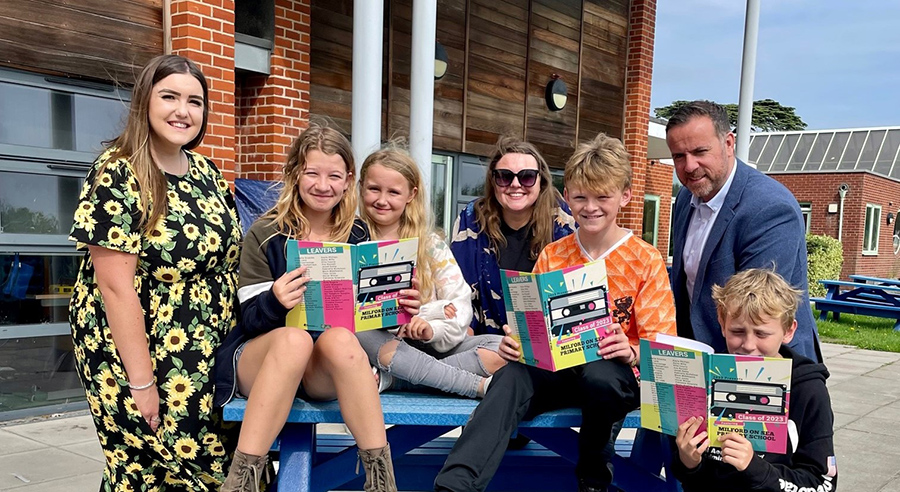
<point x="175" y="111"/>
<point x="744" y="337"/>
<point x="322" y="182"/>
<point x="595" y="212"/>
<point x="703" y="160"/>
<point x="385" y="194"/>
<point x="515" y="198"/>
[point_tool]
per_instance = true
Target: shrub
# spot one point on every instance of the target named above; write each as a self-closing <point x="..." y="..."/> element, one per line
<point x="825" y="257"/>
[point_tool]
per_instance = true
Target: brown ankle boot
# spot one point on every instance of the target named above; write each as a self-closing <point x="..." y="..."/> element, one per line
<point x="246" y="472"/>
<point x="379" y="469"/>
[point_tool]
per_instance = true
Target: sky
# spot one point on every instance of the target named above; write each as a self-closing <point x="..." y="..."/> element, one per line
<point x="836" y="62"/>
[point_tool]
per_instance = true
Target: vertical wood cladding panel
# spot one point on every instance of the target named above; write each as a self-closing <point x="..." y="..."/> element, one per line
<point x="83" y="38"/>
<point x="497" y="58"/>
<point x="555" y="33"/>
<point x="331" y="61"/>
<point x="604" y="53"/>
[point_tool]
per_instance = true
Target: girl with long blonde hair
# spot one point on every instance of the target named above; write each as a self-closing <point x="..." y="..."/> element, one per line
<point x="433" y="349"/>
<point x="269" y="363"/>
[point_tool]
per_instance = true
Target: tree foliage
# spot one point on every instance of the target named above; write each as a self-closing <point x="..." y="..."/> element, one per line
<point x="768" y="115"/>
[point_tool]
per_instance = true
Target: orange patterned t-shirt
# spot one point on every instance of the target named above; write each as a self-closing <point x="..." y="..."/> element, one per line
<point x="639" y="292"/>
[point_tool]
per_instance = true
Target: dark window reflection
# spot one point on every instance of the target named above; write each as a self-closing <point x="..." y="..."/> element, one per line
<point x="37" y="372"/>
<point x="36" y="203"/>
<point x="35" y="289"/>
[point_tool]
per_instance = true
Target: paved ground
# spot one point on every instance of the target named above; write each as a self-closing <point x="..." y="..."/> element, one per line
<point x="62" y="454"/>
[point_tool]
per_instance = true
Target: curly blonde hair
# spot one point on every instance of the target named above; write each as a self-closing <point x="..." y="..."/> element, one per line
<point x="287" y="213"/>
<point x="416" y="220"/>
<point x="759" y="294"/>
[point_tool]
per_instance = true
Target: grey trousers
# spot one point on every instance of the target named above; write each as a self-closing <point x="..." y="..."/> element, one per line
<point x="458" y="371"/>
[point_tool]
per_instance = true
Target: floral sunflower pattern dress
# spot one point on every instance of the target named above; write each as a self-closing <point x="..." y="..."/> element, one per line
<point x="186" y="281"/>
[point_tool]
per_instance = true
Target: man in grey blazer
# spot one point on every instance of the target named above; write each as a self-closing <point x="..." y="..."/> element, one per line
<point x="729" y="217"/>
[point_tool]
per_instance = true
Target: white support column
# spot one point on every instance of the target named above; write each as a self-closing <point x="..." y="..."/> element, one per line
<point x="421" y="105"/>
<point x="368" y="29"/>
<point x="748" y="76"/>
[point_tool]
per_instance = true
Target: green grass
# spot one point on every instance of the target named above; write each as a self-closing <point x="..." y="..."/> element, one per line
<point x="865" y="332"/>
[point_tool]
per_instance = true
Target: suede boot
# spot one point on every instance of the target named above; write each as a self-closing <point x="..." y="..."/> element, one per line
<point x="379" y="469"/>
<point x="246" y="472"/>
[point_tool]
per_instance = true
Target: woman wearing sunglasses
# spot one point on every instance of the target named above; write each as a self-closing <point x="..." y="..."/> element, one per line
<point x="519" y="214"/>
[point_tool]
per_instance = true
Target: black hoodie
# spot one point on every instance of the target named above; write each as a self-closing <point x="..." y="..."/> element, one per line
<point x="809" y="463"/>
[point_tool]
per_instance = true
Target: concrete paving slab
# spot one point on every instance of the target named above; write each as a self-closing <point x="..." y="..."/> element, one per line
<point x="850" y="366"/>
<point x="832" y="349"/>
<point x="14" y="443"/>
<point x="842" y="419"/>
<point x="874" y="423"/>
<point x="891" y="371"/>
<point x="892" y="486"/>
<point x="42" y="466"/>
<point x="842" y="403"/>
<point x="58" y="432"/>
<point x="88" y="449"/>
<point x="86" y="482"/>
<point x="865" y="461"/>
<point x="871" y="356"/>
<point x="875" y="388"/>
<point x="869" y="441"/>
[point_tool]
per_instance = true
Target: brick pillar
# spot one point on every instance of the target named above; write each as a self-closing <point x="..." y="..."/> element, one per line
<point x="203" y="30"/>
<point x="638" y="78"/>
<point x="272" y="110"/>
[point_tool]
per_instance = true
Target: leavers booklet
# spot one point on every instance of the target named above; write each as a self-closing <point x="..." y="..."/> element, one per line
<point x="356" y="286"/>
<point x="558" y="317"/>
<point x="683" y="378"/>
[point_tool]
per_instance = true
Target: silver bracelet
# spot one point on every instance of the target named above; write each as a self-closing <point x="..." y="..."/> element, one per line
<point x="143" y="386"/>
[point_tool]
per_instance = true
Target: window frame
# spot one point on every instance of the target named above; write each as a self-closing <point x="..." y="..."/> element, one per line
<point x="806" y="211"/>
<point x="871" y="235"/>
<point x="655" y="199"/>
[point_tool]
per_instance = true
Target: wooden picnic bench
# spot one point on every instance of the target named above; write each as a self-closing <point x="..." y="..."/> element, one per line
<point x="859" y="298"/>
<point x="320" y="462"/>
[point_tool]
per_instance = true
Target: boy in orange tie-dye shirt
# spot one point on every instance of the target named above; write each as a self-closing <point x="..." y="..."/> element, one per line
<point x="598" y="185"/>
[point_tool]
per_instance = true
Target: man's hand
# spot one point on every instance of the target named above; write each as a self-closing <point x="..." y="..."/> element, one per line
<point x="691" y="445"/>
<point x="737" y="451"/>
<point x="289" y="288"/>
<point x="509" y="347"/>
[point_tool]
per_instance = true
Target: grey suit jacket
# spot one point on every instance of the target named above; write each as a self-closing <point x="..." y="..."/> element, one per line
<point x="759" y="225"/>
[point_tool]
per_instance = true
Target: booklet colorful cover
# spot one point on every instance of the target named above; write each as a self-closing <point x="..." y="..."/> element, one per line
<point x="558" y="317"/>
<point x="682" y="378"/>
<point x="356" y="286"/>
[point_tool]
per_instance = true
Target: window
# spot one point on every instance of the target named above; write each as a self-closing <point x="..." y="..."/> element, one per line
<point x="51" y="130"/>
<point x="873" y="227"/>
<point x="671" y="230"/>
<point x="806" y="210"/>
<point x="650" y="226"/>
<point x="441" y="173"/>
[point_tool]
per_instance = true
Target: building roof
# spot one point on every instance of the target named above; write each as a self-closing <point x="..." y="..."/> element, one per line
<point x="856" y="149"/>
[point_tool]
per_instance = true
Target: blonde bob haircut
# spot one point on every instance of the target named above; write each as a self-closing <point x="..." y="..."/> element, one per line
<point x="760" y="295"/>
<point x="416" y="220"/>
<point x="288" y="210"/>
<point x="489" y="212"/>
<point x="600" y="165"/>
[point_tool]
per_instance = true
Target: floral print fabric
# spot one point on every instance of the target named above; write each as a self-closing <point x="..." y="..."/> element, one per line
<point x="186" y="281"/>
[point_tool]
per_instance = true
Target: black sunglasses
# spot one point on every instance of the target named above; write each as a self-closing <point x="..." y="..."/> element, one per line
<point x="504" y="177"/>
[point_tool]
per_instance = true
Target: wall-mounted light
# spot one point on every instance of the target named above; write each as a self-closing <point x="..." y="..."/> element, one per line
<point x="556" y="93"/>
<point x="440" y="60"/>
<point x="890" y="218"/>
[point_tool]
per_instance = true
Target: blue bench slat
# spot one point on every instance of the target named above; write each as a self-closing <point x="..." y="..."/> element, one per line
<point x="834" y="303"/>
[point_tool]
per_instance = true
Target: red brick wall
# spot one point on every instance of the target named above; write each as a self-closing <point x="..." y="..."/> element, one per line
<point x="822" y="189"/>
<point x="203" y="30"/>
<point x="638" y="78"/>
<point x="273" y="110"/>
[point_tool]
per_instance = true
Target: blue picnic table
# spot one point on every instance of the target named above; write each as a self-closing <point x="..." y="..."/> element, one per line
<point x="320" y="462"/>
<point x="860" y="297"/>
<point x="866" y="279"/>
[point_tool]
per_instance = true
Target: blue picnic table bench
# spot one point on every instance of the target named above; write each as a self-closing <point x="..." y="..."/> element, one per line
<point x="867" y="279"/>
<point x="320" y="462"/>
<point x="860" y="297"/>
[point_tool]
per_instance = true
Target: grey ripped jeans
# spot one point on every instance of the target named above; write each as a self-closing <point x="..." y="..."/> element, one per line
<point x="457" y="371"/>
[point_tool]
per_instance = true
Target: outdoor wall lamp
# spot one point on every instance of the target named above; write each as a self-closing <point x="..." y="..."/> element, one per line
<point x="556" y="93"/>
<point x="890" y="218"/>
<point x="440" y="60"/>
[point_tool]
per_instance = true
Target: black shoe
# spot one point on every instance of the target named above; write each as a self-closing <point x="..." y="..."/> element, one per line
<point x="584" y="487"/>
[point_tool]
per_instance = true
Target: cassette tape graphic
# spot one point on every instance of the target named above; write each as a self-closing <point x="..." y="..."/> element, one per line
<point x="376" y="281"/>
<point x="730" y="398"/>
<point x="576" y="308"/>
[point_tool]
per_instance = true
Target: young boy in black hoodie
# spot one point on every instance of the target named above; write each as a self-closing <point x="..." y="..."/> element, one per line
<point x="756" y="311"/>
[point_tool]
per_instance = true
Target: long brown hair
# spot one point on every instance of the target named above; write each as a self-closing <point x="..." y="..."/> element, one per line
<point x="489" y="212"/>
<point x="288" y="210"/>
<point x="133" y="144"/>
<point x="415" y="221"/>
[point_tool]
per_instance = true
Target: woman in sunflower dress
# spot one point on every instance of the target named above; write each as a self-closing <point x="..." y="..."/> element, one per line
<point x="156" y="291"/>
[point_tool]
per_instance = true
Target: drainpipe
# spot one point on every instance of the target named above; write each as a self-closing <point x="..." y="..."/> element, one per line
<point x="842" y="189"/>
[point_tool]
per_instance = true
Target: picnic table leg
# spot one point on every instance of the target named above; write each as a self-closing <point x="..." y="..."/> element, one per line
<point x="650" y="454"/>
<point x="298" y="443"/>
<point x="897" y="325"/>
